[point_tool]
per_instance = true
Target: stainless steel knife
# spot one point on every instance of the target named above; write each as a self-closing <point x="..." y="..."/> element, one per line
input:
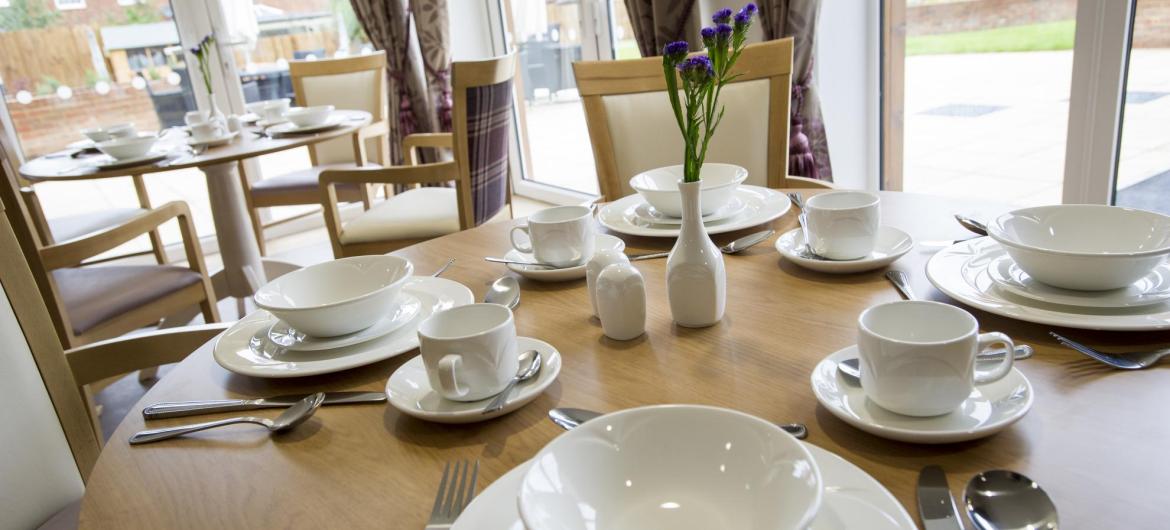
<point x="936" y="507"/>
<point x="177" y="409"/>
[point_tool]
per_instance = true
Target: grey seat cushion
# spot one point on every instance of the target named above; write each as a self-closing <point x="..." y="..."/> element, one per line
<point x="292" y="188"/>
<point x="93" y="295"/>
<point x="75" y="226"/>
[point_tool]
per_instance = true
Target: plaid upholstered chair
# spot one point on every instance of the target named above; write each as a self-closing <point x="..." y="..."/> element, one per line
<point x="481" y="117"/>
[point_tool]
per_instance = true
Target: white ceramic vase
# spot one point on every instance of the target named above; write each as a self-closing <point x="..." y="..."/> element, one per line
<point x="696" y="282"/>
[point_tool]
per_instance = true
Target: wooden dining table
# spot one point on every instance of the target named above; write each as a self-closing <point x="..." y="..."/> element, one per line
<point x="244" y="269"/>
<point x="1095" y="438"/>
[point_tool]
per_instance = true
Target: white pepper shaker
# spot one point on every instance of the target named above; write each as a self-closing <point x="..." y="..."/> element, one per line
<point x="600" y="260"/>
<point x="234" y="124"/>
<point x="621" y="301"/>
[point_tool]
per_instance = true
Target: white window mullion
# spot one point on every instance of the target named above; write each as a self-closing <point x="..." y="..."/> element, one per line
<point x="1100" y="58"/>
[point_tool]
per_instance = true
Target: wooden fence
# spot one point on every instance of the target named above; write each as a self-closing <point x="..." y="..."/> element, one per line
<point x="33" y="55"/>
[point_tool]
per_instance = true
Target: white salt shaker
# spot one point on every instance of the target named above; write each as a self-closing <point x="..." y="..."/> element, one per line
<point x="621" y="301"/>
<point x="234" y="124"/>
<point x="601" y="259"/>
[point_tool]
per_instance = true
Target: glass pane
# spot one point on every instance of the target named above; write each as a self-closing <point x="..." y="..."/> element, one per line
<point x="547" y="35"/>
<point x="987" y="91"/>
<point x="63" y="70"/>
<point x="624" y="45"/>
<point x="1143" y="171"/>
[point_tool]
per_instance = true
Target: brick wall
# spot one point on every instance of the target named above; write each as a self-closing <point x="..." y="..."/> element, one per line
<point x="1151" y="24"/>
<point x="49" y="123"/>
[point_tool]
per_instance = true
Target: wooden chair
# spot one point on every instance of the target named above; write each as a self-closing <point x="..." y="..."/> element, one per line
<point x="49" y="437"/>
<point x="352" y="83"/>
<point x="481" y="116"/>
<point x="632" y="126"/>
<point x="61" y="229"/>
<point x="99" y="302"/>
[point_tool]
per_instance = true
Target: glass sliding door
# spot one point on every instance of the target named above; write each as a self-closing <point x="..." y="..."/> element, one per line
<point x="1143" y="166"/>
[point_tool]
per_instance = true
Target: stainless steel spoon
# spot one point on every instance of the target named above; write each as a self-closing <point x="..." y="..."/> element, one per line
<point x="851" y="368"/>
<point x="443" y="268"/>
<point x="507" y="261"/>
<point x="504" y="291"/>
<point x="972" y="224"/>
<point x="567" y="418"/>
<point x="999" y="500"/>
<point x="734" y="247"/>
<point x="288" y="420"/>
<point x="530" y="362"/>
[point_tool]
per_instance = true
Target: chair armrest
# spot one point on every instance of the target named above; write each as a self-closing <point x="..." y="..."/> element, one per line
<point x="805" y="182"/>
<point x="421" y="174"/>
<point x="73" y="252"/>
<point x="374" y="130"/>
<point x="412" y="142"/>
<point x="97" y="361"/>
<point x="38" y="214"/>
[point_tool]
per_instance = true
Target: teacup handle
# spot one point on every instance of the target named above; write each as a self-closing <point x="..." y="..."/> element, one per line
<point x="522" y="248"/>
<point x="1005" y="364"/>
<point x="448" y="365"/>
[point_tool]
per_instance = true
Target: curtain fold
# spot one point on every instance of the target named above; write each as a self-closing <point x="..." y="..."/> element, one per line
<point x="808" y="147"/>
<point x="416" y="38"/>
<point x="658" y="22"/>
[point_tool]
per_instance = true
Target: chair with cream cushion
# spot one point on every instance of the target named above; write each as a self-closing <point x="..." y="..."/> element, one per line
<point x="632" y="127"/>
<point x="481" y="123"/>
<point x="49" y="442"/>
<point x="351" y="83"/>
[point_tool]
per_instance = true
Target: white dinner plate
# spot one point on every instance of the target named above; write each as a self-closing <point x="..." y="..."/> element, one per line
<point x="213" y="142"/>
<point x="852" y="500"/>
<point x="645" y="214"/>
<point x="760" y="206"/>
<point x="109" y="162"/>
<point x="284" y="335"/>
<point x="1150" y="289"/>
<point x="409" y="389"/>
<point x="961" y="272"/>
<point x="245" y="349"/>
<point x="989" y="409"/>
<point x="604" y="241"/>
<point x="289" y="127"/>
<point x="891" y="245"/>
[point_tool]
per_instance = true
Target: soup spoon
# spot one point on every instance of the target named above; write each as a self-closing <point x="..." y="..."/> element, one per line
<point x="504" y="291"/>
<point x="287" y="421"/>
<point x="999" y="500"/>
<point x="734" y="247"/>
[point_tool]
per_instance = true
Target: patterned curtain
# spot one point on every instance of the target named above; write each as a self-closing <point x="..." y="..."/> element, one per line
<point x="658" y="22"/>
<point x="808" y="148"/>
<point x="415" y="36"/>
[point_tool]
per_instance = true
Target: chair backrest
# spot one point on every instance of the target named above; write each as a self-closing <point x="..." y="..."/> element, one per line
<point x="352" y="83"/>
<point x="632" y="126"/>
<point x="48" y="444"/>
<point x="482" y="130"/>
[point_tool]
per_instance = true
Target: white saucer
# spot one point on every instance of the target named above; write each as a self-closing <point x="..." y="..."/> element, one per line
<point x="1150" y="289"/>
<point x="289" y="127"/>
<point x="604" y="241"/>
<point x="761" y="205"/>
<point x="961" y="272"/>
<point x="852" y="500"/>
<point x="989" y="409"/>
<point x="108" y="162"/>
<point x="645" y="214"/>
<point x="235" y="349"/>
<point x="408" y="307"/>
<point x="891" y="245"/>
<point x="212" y="142"/>
<point x="265" y="123"/>
<point x="410" y="390"/>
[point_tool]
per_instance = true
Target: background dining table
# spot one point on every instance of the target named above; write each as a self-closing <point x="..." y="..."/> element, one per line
<point x="244" y="270"/>
<point x="1095" y="439"/>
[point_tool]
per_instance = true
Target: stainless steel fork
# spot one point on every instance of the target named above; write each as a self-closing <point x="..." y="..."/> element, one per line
<point x="1126" y="361"/>
<point x="455" y="493"/>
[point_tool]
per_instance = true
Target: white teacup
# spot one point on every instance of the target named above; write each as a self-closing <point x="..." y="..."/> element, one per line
<point x="469" y="351"/>
<point x="207" y="130"/>
<point x="122" y="130"/>
<point x="843" y="225"/>
<point x="560" y="236"/>
<point x="918" y="357"/>
<point x="194" y="116"/>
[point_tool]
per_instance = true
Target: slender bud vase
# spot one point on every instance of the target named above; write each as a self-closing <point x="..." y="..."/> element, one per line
<point x="696" y="282"/>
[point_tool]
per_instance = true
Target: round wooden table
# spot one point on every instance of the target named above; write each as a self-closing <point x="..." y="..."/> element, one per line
<point x="1095" y="438"/>
<point x="243" y="269"/>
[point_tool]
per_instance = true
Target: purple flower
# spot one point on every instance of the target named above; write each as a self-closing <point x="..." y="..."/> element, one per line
<point x="723" y="30"/>
<point x="707" y="33"/>
<point x="697" y="68"/>
<point x="722" y="16"/>
<point x="674" y="52"/>
<point x="744" y="17"/>
<point x="750" y="9"/>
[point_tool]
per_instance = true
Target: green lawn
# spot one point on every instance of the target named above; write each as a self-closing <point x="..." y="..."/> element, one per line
<point x="1032" y="37"/>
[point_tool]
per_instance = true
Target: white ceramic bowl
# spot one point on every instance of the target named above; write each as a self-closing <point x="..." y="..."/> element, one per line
<point x="269" y="109"/>
<point x="671" y="466"/>
<point x="129" y="147"/>
<point x="1082" y="246"/>
<point x="659" y="187"/>
<point x="96" y="134"/>
<point x="309" y="116"/>
<point x="336" y="297"/>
